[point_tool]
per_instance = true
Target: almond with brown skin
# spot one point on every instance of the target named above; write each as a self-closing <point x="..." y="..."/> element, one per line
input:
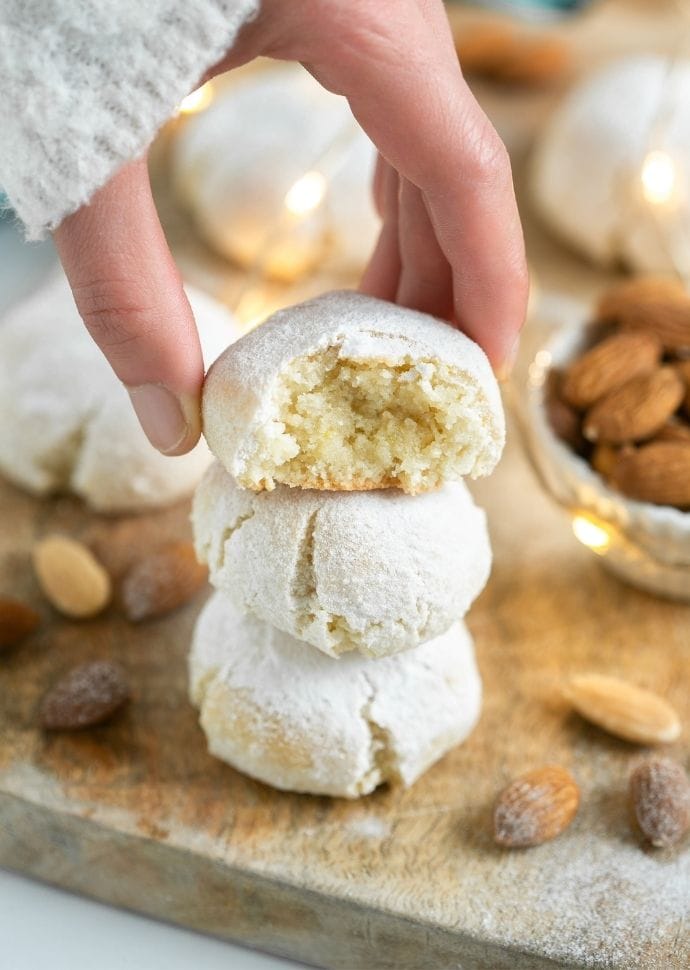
<point x="655" y="304"/>
<point x="565" y="422"/>
<point x="17" y="621"/>
<point x="608" y="365"/>
<point x="674" y="430"/>
<point x="498" y="52"/>
<point x="536" y="807"/>
<point x="660" y="798"/>
<point x="637" y="409"/>
<point x="162" y="581"/>
<point x="622" y="709"/>
<point x="657" y="472"/>
<point x="604" y="458"/>
<point x="88" y="695"/>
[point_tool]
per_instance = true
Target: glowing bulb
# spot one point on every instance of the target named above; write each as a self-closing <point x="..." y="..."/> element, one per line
<point x="658" y="178"/>
<point x="306" y="194"/>
<point x="591" y="534"/>
<point x="197" y="100"/>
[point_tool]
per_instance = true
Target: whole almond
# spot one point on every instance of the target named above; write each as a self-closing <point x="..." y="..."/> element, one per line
<point x="637" y="409"/>
<point x="674" y="430"/>
<point x="498" y="52"/>
<point x="535" y="807"/>
<point x="89" y="694"/>
<point x="655" y="304"/>
<point x="660" y="797"/>
<point x="608" y="365"/>
<point x="71" y="578"/>
<point x="17" y="621"/>
<point x="657" y="472"/>
<point x="163" y="580"/>
<point x="604" y="458"/>
<point x="565" y="421"/>
<point x="622" y="709"/>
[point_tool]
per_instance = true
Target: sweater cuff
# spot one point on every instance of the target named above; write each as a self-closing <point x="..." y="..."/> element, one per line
<point x="87" y="86"/>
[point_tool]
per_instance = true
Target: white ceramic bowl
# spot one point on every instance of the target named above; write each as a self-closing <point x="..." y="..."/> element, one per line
<point x="646" y="545"/>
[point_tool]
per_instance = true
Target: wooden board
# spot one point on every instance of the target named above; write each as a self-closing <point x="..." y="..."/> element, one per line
<point x="138" y="814"/>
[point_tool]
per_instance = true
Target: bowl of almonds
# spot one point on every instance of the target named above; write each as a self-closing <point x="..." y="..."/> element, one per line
<point x="609" y="430"/>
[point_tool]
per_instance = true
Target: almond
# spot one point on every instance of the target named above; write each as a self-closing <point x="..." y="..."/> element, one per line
<point x="637" y="409"/>
<point x="162" y="581"/>
<point x="660" y="797"/>
<point x="604" y="458"/>
<point x="89" y="694"/>
<point x="608" y="365"/>
<point x="72" y="580"/>
<point x="622" y="709"/>
<point x="674" y="430"/>
<point x="17" y="621"/>
<point x="655" y="304"/>
<point x="499" y="53"/>
<point x="658" y="473"/>
<point x="565" y="422"/>
<point x="536" y="807"/>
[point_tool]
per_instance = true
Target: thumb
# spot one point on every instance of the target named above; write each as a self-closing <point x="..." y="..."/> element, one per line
<point x="129" y="294"/>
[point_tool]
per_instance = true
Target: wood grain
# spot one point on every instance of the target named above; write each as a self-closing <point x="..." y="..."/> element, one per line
<point x="137" y="813"/>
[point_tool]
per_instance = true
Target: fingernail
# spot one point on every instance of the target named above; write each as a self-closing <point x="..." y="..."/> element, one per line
<point x="505" y="370"/>
<point x="160" y="415"/>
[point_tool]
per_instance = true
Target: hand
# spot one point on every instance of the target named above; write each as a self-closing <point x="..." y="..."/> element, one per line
<point x="451" y="242"/>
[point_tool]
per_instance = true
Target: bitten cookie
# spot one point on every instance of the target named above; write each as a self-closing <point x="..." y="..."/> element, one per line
<point x="66" y="422"/>
<point x="348" y="392"/>
<point x="281" y="712"/>
<point x="377" y="572"/>
<point x="587" y="173"/>
<point x="240" y="167"/>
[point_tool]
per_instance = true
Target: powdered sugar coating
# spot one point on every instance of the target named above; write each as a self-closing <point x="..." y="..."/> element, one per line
<point x="376" y="572"/>
<point x="66" y="422"/>
<point x="586" y="177"/>
<point x="234" y="163"/>
<point x="284" y="713"/>
<point x="237" y="400"/>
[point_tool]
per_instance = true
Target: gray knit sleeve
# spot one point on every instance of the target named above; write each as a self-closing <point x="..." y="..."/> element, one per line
<point x="85" y="87"/>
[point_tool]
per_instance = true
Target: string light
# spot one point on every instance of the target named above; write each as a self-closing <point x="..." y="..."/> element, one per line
<point x="591" y="533"/>
<point x="306" y="194"/>
<point x="196" y="101"/>
<point x="659" y="178"/>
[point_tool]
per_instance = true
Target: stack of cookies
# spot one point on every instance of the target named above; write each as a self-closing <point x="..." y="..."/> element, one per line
<point x="343" y="544"/>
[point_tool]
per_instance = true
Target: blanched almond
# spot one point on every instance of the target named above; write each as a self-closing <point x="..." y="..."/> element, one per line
<point x="622" y="709"/>
<point x="71" y="578"/>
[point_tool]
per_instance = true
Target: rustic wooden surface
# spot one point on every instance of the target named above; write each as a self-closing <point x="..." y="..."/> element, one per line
<point x="138" y="814"/>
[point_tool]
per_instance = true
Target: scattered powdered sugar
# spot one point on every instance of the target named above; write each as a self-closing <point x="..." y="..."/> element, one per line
<point x="368" y="827"/>
<point x="596" y="902"/>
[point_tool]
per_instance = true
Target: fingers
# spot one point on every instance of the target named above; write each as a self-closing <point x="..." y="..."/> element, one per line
<point x="382" y="276"/>
<point x="425" y="278"/>
<point x="129" y="294"/>
<point x="403" y="81"/>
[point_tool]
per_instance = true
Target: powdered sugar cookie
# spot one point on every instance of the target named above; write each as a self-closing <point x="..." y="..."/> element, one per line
<point x="66" y="422"/>
<point x="235" y="164"/>
<point x="377" y="572"/>
<point x="349" y="392"/>
<point x="284" y="713"/>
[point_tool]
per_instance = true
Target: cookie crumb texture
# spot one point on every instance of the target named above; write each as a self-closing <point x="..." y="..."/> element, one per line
<point x="346" y="424"/>
<point x="346" y="393"/>
<point x="278" y="710"/>
<point x="377" y="572"/>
